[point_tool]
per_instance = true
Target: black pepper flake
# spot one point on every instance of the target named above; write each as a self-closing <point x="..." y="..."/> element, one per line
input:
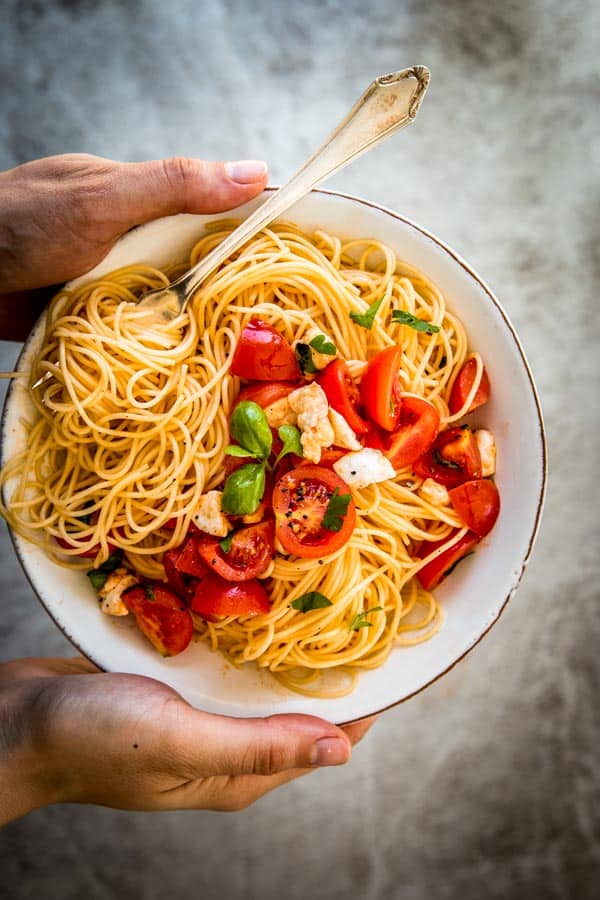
<point x="353" y="472"/>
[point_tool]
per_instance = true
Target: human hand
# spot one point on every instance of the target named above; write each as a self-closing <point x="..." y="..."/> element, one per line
<point x="69" y="733"/>
<point x="61" y="215"/>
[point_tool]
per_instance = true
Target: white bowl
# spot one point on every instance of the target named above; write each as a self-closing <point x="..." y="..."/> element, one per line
<point x="473" y="596"/>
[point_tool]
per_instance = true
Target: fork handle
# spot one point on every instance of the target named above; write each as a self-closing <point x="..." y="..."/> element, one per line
<point x="389" y="103"/>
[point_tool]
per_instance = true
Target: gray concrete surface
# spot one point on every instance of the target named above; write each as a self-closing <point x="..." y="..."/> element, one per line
<point x="487" y="785"/>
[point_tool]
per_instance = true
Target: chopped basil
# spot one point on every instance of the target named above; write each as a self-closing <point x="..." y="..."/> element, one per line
<point x="290" y="437"/>
<point x="98" y="576"/>
<point x="305" y="359"/>
<point x="244" y="490"/>
<point x="311" y="600"/>
<point x="236" y="450"/>
<point x="337" y="508"/>
<point x="149" y="592"/>
<point x="225" y="544"/>
<point x="360" y="620"/>
<point x="322" y="345"/>
<point x="367" y="319"/>
<point x="406" y="318"/>
<point x="250" y="428"/>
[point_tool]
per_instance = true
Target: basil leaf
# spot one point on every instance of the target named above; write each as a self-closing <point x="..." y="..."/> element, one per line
<point x="305" y="359"/>
<point x="322" y="345"/>
<point x="149" y="590"/>
<point x="367" y="319"/>
<point x="244" y="490"/>
<point x="250" y="428"/>
<point x="98" y="576"/>
<point x="336" y="510"/>
<point x="290" y="436"/>
<point x="312" y="600"/>
<point x="406" y="318"/>
<point x="360" y="621"/>
<point x="236" y="450"/>
<point x="225" y="544"/>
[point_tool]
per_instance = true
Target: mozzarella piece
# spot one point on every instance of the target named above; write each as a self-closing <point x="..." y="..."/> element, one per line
<point x="487" y="451"/>
<point x="320" y="360"/>
<point x="280" y="413"/>
<point x="364" y="467"/>
<point x="312" y="410"/>
<point x="435" y="493"/>
<point x="209" y="516"/>
<point x="113" y="589"/>
<point x="343" y="435"/>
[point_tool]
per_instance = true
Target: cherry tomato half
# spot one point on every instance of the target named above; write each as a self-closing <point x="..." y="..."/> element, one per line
<point x="462" y="387"/>
<point x="342" y="394"/>
<point x="249" y="555"/>
<point x="265" y="394"/>
<point x="300" y="501"/>
<point x="431" y="574"/>
<point x="215" y="597"/>
<point x="263" y="354"/>
<point x="452" y="459"/>
<point x="161" y="616"/>
<point x="380" y="388"/>
<point x="477" y="503"/>
<point x="414" y="434"/>
<point x="189" y="561"/>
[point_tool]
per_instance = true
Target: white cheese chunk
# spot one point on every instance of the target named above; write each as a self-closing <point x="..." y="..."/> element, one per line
<point x="343" y="435"/>
<point x="312" y="410"/>
<point x="280" y="413"/>
<point x="209" y="516"/>
<point x="487" y="451"/>
<point x="364" y="467"/>
<point x="112" y="591"/>
<point x="320" y="360"/>
<point x="434" y="492"/>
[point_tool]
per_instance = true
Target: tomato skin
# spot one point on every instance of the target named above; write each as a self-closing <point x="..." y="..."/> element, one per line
<point x="462" y="387"/>
<point x="380" y="388"/>
<point x="435" y="571"/>
<point x="300" y="499"/>
<point x="478" y="504"/>
<point x="417" y="429"/>
<point x="178" y="581"/>
<point x="265" y="393"/>
<point x="452" y="459"/>
<point x="215" y="597"/>
<point x="164" y="620"/>
<point x="250" y="554"/>
<point x="329" y="456"/>
<point x="263" y="354"/>
<point x="189" y="561"/>
<point x="342" y="394"/>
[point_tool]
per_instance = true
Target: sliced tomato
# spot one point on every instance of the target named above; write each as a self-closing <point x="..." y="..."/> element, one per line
<point x="478" y="504"/>
<point x="431" y="574"/>
<point x="300" y="501"/>
<point x="85" y="554"/>
<point x="263" y="354"/>
<point x="380" y="388"/>
<point x="417" y="428"/>
<point x="249" y="555"/>
<point x="264" y="393"/>
<point x="462" y="388"/>
<point x="189" y="561"/>
<point x="329" y="456"/>
<point x="452" y="459"/>
<point x="162" y="616"/>
<point x="342" y="394"/>
<point x="182" y="584"/>
<point x="215" y="597"/>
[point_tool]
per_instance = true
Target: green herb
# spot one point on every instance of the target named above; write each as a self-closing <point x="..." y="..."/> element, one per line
<point x="98" y="576"/>
<point x="244" y="490"/>
<point x="290" y="436"/>
<point x="236" y="450"/>
<point x="305" y="359"/>
<point x="250" y="428"/>
<point x="322" y="345"/>
<point x="360" y="621"/>
<point x="225" y="544"/>
<point x="367" y="319"/>
<point x="406" y="318"/>
<point x="149" y="592"/>
<point x="312" y="600"/>
<point x="336" y="510"/>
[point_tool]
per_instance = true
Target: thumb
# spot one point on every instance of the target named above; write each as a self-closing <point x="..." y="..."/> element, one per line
<point x="164" y="187"/>
<point x="262" y="746"/>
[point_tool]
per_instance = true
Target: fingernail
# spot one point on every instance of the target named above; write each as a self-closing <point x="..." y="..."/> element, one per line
<point x="329" y="752"/>
<point x="246" y="171"/>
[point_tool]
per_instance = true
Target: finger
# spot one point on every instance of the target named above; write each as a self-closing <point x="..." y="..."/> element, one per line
<point x="261" y="746"/>
<point x="163" y="187"/>
<point x="35" y="667"/>
<point x="357" y="730"/>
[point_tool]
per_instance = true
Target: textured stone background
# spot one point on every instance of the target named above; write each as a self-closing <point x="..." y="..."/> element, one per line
<point x="486" y="785"/>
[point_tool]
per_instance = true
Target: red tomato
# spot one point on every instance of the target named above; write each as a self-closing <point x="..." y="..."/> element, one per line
<point x="215" y="597"/>
<point x="250" y="554"/>
<point x="342" y="394"/>
<point x="189" y="560"/>
<point x="329" y="456"/>
<point x="462" y="387"/>
<point x="452" y="459"/>
<point x="181" y="583"/>
<point x="380" y="387"/>
<point x="85" y="554"/>
<point x="431" y="574"/>
<point x="300" y="500"/>
<point x="478" y="504"/>
<point x="265" y="394"/>
<point x="263" y="354"/>
<point x="416" y="431"/>
<point x="162" y="616"/>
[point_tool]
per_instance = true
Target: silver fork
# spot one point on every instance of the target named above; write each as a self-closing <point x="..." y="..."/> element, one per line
<point x="389" y="103"/>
